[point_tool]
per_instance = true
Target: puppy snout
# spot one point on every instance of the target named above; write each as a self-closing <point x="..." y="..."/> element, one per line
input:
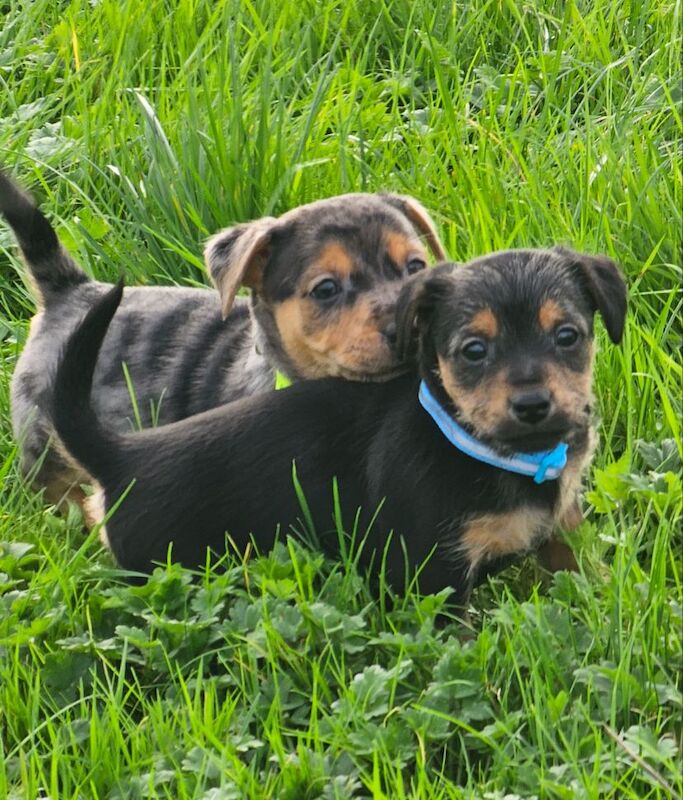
<point x="531" y="407"/>
<point x="390" y="333"/>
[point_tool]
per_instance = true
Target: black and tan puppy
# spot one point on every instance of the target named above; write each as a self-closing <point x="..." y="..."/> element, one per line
<point x="475" y="471"/>
<point x="324" y="279"/>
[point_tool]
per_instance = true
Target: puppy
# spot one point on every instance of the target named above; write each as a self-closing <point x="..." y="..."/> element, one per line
<point x="323" y="278"/>
<point x="471" y="459"/>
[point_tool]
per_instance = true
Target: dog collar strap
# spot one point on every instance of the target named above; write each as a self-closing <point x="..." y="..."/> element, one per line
<point x="281" y="380"/>
<point x="544" y="466"/>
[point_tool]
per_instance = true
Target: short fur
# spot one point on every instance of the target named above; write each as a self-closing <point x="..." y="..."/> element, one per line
<point x="229" y="470"/>
<point x="188" y="350"/>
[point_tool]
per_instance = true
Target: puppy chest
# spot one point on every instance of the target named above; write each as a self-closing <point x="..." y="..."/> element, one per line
<point x="494" y="535"/>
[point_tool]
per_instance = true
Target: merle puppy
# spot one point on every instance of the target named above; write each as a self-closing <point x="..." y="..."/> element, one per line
<point x="324" y="278"/>
<point x="473" y="458"/>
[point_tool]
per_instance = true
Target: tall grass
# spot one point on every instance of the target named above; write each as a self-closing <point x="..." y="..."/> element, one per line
<point x="144" y="127"/>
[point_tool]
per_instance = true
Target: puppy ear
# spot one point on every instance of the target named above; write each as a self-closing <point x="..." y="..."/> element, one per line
<point x="236" y="256"/>
<point x="419" y="217"/>
<point x="605" y="286"/>
<point x="415" y="305"/>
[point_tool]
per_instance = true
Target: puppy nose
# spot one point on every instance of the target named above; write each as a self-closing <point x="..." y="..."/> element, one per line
<point x="390" y="333"/>
<point x="531" y="407"/>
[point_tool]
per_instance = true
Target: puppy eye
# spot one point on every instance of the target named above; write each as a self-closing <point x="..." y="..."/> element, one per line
<point x="325" y="290"/>
<point x="415" y="265"/>
<point x="566" y="336"/>
<point x="475" y="350"/>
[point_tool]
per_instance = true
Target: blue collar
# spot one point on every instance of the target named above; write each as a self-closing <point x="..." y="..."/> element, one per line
<point x="543" y="466"/>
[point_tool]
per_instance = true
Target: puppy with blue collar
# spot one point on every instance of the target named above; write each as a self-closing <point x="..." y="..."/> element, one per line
<point x="472" y="458"/>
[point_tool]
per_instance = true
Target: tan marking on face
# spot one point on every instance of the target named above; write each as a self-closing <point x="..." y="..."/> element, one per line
<point x="333" y="258"/>
<point x="350" y="344"/>
<point x="484" y="323"/>
<point x="549" y="315"/>
<point x="483" y="407"/>
<point x="486" y="406"/>
<point x="402" y="248"/>
<point x="491" y="536"/>
<point x="570" y="390"/>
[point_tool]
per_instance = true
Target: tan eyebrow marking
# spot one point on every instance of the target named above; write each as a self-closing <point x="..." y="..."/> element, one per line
<point x="485" y="323"/>
<point x="401" y="247"/>
<point x="549" y="314"/>
<point x="334" y="257"/>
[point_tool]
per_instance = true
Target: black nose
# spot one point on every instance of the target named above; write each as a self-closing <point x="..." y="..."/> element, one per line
<point x="531" y="407"/>
<point x="390" y="333"/>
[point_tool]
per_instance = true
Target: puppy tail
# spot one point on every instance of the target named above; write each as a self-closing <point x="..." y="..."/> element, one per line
<point x="52" y="268"/>
<point x="73" y="416"/>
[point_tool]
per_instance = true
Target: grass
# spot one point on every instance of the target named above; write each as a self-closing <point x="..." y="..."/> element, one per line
<point x="144" y="127"/>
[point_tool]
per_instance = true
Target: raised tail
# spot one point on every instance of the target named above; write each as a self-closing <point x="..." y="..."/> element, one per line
<point x="73" y="416"/>
<point x="52" y="268"/>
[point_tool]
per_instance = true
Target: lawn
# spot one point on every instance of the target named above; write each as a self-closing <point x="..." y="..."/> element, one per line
<point x="144" y="127"/>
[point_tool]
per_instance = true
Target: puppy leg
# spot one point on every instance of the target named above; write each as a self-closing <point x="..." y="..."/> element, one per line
<point x="57" y="476"/>
<point x="62" y="488"/>
<point x="572" y="516"/>
<point x="555" y="556"/>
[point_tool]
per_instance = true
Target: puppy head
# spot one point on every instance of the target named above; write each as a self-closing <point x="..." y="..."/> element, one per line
<point x="324" y="280"/>
<point x="506" y="341"/>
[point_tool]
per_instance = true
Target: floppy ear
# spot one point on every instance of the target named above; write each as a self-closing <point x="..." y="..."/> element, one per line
<point x="415" y="305"/>
<point x="419" y="217"/>
<point x="236" y="256"/>
<point x="605" y="286"/>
